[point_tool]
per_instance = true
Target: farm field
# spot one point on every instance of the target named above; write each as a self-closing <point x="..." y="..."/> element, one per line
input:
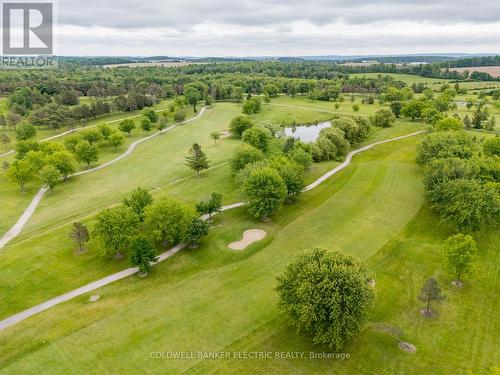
<point x="494" y="71"/>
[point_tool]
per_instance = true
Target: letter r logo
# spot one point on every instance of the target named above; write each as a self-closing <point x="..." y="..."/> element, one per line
<point x="27" y="28"/>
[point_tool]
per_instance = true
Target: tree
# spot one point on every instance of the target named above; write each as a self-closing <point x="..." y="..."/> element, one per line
<point x="116" y="227"/>
<point x="4" y="138"/>
<point x="86" y="153"/>
<point x="460" y="252"/>
<point x="127" y="126"/>
<point x="291" y="173"/>
<point x="138" y="201"/>
<point x="266" y="191"/>
<point x="179" y="116"/>
<point x="430" y="292"/>
<point x="445" y="145"/>
<point x="193" y="96"/>
<point x="25" y="131"/>
<point x="80" y="235"/>
<point x="465" y="203"/>
<point x="215" y="136"/>
<point x="491" y="146"/>
<point x="257" y="137"/>
<point x="239" y="124"/>
<point x="162" y="123"/>
<point x="197" y="229"/>
<point x="116" y="140"/>
<point x="50" y="176"/>
<point x="166" y="221"/>
<point x="355" y="108"/>
<point x="244" y="155"/>
<point x="105" y="131"/>
<point x="325" y="293"/>
<point x="142" y="254"/>
<point x="150" y="114"/>
<point x="196" y="159"/>
<point x="396" y="108"/>
<point x="213" y="205"/>
<point x="467" y="122"/>
<point x="64" y="162"/>
<point x="21" y="172"/>
<point x="146" y="124"/>
<point x="92" y="136"/>
<point x="384" y="118"/>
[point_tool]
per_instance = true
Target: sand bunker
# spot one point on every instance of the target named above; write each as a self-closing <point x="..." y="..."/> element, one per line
<point x="249" y="236"/>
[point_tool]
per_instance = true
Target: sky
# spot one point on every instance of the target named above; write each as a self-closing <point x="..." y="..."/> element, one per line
<point x="276" y="27"/>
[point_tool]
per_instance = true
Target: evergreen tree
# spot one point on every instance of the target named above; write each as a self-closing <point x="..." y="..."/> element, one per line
<point x="196" y="159"/>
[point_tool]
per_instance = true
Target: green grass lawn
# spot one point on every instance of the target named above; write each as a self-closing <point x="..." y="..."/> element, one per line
<point x="214" y="299"/>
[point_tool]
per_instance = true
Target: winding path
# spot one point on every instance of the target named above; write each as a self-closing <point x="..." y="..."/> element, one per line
<point x="17" y="227"/>
<point x="167" y="254"/>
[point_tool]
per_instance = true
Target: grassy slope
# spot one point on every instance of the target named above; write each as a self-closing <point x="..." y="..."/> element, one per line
<point x="227" y="296"/>
<point x="40" y="263"/>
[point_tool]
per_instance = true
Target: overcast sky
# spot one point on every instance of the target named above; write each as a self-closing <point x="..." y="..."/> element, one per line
<point x="276" y="27"/>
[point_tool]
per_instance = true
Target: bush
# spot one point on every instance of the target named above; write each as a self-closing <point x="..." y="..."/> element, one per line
<point x="384" y="118"/>
<point x="325" y="294"/>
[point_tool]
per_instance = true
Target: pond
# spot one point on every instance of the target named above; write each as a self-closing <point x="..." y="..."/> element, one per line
<point x="306" y="133"/>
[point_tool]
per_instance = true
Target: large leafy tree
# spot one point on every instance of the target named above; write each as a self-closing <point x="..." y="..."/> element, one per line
<point x="142" y="254"/>
<point x="460" y="253"/>
<point x="466" y="203"/>
<point x="50" y="176"/>
<point x="239" y="124"/>
<point x="265" y="190"/>
<point x="244" y="155"/>
<point x="166" y="221"/>
<point x="21" y="172"/>
<point x="326" y="294"/>
<point x="138" y="201"/>
<point x="445" y="144"/>
<point x="196" y="159"/>
<point x="116" y="227"/>
<point x="197" y="229"/>
<point x="86" y="153"/>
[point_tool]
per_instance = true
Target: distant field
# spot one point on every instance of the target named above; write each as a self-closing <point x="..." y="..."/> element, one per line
<point x="406" y="78"/>
<point x="493" y="70"/>
<point x="165" y="64"/>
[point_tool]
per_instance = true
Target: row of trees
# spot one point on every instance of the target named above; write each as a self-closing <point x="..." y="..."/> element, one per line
<point x="461" y="178"/>
<point x="140" y="225"/>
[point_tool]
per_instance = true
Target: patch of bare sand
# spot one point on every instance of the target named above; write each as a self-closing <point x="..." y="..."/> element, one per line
<point x="249" y="236"/>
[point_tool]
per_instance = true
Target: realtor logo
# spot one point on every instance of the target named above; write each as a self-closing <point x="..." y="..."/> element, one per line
<point x="28" y="28"/>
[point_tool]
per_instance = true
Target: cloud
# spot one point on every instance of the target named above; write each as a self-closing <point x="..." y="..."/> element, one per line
<point x="277" y="27"/>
